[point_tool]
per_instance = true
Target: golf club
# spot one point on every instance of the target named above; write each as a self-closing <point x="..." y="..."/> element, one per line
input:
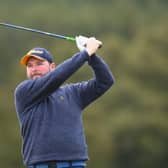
<point x="38" y="31"/>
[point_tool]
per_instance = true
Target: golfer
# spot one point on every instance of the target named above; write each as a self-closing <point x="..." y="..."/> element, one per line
<point x="50" y="113"/>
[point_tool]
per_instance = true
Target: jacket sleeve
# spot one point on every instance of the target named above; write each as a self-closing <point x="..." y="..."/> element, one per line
<point x="30" y="92"/>
<point x="90" y="90"/>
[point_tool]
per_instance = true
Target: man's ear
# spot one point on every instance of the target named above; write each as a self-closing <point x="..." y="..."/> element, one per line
<point x="52" y="66"/>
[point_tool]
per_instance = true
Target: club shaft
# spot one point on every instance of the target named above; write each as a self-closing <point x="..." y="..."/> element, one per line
<point x="37" y="31"/>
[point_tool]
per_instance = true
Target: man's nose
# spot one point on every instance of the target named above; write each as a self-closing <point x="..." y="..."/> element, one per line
<point x="34" y="68"/>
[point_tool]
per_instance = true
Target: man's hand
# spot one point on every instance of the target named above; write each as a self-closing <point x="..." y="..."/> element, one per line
<point x="81" y="42"/>
<point x="88" y="44"/>
<point x="92" y="45"/>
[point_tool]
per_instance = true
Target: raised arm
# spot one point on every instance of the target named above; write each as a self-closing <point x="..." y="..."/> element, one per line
<point x="103" y="79"/>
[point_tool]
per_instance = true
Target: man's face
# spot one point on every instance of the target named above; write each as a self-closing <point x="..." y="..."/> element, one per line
<point x="37" y="68"/>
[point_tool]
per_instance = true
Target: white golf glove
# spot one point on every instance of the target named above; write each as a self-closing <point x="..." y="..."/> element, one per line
<point x="81" y="42"/>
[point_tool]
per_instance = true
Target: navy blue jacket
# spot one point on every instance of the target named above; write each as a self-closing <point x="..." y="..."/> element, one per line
<point x="50" y="115"/>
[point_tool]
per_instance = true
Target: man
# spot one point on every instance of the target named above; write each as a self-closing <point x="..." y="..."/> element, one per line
<point x="50" y="115"/>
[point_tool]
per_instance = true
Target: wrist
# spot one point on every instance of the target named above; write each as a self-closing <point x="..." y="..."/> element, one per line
<point x="89" y="51"/>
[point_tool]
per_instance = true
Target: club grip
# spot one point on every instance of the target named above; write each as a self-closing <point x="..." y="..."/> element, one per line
<point x="100" y="46"/>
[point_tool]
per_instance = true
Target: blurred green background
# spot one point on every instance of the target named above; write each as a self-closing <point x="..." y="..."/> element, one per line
<point x="127" y="127"/>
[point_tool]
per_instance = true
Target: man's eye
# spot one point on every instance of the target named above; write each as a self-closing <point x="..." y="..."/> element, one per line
<point x="29" y="65"/>
<point x="40" y="63"/>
